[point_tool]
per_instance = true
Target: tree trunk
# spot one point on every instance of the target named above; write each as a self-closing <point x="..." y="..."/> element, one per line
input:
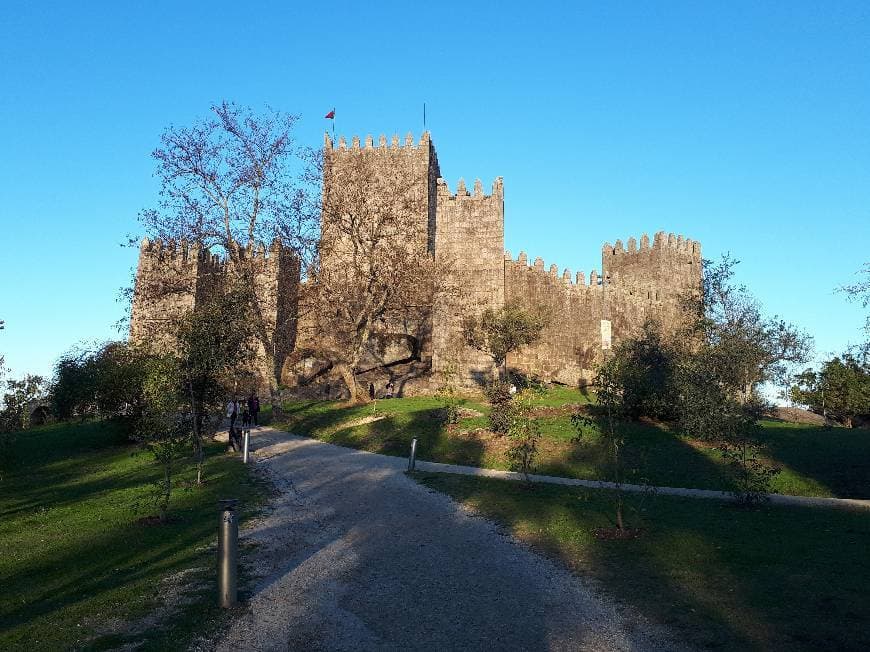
<point x="198" y="448"/>
<point x="275" y="400"/>
<point x="349" y="379"/>
<point x="167" y="491"/>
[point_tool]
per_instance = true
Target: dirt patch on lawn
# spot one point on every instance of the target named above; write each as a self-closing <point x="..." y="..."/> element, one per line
<point x="559" y="410"/>
<point x="361" y="421"/>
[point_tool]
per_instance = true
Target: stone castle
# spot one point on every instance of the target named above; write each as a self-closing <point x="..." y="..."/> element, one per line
<point x="638" y="280"/>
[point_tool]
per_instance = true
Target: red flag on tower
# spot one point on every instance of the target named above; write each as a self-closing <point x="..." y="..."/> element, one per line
<point x="330" y="115"/>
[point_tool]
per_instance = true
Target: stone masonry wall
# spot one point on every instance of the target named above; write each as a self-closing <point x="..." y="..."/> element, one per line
<point x="573" y="344"/>
<point x="173" y="280"/>
<point x="408" y="172"/>
<point x="276" y="282"/>
<point x="170" y="279"/>
<point x="469" y="239"/>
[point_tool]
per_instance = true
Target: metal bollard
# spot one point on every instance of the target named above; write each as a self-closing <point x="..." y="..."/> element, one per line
<point x="245" y="447"/>
<point x="228" y="549"/>
<point x="412" y="461"/>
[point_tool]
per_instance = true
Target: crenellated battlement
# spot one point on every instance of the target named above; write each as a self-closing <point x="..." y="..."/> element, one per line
<point x="566" y="278"/>
<point x="663" y="242"/>
<point x="462" y="192"/>
<point x="394" y="144"/>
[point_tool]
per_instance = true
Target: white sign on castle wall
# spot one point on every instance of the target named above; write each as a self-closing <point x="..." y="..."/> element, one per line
<point x="605" y="334"/>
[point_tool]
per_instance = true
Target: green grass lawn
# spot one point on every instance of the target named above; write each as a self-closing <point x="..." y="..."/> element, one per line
<point x="78" y="569"/>
<point x="815" y="461"/>
<point x="722" y="577"/>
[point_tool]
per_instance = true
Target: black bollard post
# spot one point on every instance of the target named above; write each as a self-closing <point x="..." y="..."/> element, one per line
<point x="228" y="548"/>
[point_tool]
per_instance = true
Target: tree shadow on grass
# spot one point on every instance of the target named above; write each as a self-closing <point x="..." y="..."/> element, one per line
<point x="651" y="454"/>
<point x="392" y="435"/>
<point x="723" y="577"/>
<point x="86" y="556"/>
<point x="837" y="458"/>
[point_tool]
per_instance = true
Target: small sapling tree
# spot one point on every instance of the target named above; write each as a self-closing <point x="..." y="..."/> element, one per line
<point x="448" y="395"/>
<point x="612" y="410"/>
<point x="497" y="333"/>
<point x="524" y="433"/>
<point x="163" y="427"/>
<point x="212" y="343"/>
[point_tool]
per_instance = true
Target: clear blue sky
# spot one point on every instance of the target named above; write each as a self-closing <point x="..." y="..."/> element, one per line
<point x="744" y="125"/>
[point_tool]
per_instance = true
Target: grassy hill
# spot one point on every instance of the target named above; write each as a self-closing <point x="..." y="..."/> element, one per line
<point x="815" y="461"/>
<point x="81" y="567"/>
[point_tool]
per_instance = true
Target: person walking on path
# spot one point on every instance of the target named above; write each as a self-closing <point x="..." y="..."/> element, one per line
<point x="254" y="408"/>
<point x="232" y="415"/>
<point x="246" y="415"/>
<point x="232" y="412"/>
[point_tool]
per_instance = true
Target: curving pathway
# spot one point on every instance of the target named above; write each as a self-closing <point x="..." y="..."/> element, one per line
<point x="354" y="555"/>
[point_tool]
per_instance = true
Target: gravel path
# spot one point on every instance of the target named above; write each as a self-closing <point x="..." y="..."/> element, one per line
<point x="356" y="556"/>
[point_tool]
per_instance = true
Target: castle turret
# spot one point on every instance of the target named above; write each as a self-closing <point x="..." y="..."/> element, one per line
<point x="469" y="240"/>
<point x="672" y="264"/>
<point x="171" y="277"/>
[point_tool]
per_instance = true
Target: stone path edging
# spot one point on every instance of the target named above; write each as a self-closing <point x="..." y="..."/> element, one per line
<point x="775" y="499"/>
<point x="458" y="469"/>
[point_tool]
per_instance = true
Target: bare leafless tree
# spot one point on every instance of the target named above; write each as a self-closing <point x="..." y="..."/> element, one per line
<point x="376" y="271"/>
<point x="230" y="184"/>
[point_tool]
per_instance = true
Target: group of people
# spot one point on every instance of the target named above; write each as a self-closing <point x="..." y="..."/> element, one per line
<point x="389" y="389"/>
<point x="249" y="411"/>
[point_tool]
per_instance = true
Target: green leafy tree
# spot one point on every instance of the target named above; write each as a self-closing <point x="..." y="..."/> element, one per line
<point x="212" y="344"/>
<point x="708" y="380"/>
<point x="105" y="382"/>
<point x="840" y="389"/>
<point x="17" y="401"/>
<point x="730" y="352"/>
<point x="501" y="331"/>
<point x="645" y="370"/>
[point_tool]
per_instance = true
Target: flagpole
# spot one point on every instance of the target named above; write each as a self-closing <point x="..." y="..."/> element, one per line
<point x="424" y="117"/>
<point x="333" y="126"/>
